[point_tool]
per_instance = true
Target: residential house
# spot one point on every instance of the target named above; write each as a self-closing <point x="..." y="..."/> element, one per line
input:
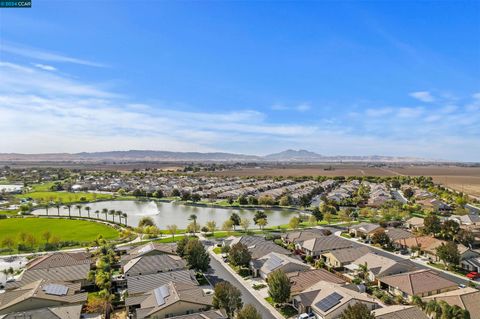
<point x="302" y="280"/>
<point x="422" y="283"/>
<point x="379" y="266"/>
<point x="299" y="236"/>
<point x="141" y="284"/>
<point x="41" y="294"/>
<point x="317" y="246"/>
<point x="435" y="205"/>
<point x="469" y="219"/>
<point x="364" y="230"/>
<point x="149" y="249"/>
<point x="61" y="312"/>
<point x="397" y="233"/>
<point x="328" y="300"/>
<point x="415" y="223"/>
<point x="170" y="300"/>
<point x="399" y="312"/>
<point x="341" y="257"/>
<point x="153" y="264"/>
<point x="67" y="267"/>
<point x="426" y="245"/>
<point x="210" y="314"/>
<point x="258" y="246"/>
<point x="466" y="298"/>
<point x="271" y="262"/>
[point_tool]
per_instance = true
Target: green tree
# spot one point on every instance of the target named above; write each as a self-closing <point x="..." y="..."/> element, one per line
<point x="181" y="244"/>
<point x="228" y="297"/>
<point x="279" y="286"/>
<point x="381" y="238"/>
<point x="449" y="229"/>
<point x="357" y="311"/>
<point x="79" y="207"/>
<point x="317" y="213"/>
<point x="8" y="243"/>
<point x="212" y="226"/>
<point x="465" y="237"/>
<point x="262" y="222"/>
<point x="242" y="200"/>
<point x="249" y="312"/>
<point x="239" y="255"/>
<point x="69" y="207"/>
<point x="227" y="225"/>
<point x="294" y="222"/>
<point x="431" y="224"/>
<point x="88" y="209"/>
<point x="245" y="223"/>
<point x="408" y="193"/>
<point x="259" y="215"/>
<point x="196" y="255"/>
<point x="285" y="200"/>
<point x="193" y="218"/>
<point x="449" y="253"/>
<point x="146" y="221"/>
<point x="235" y="220"/>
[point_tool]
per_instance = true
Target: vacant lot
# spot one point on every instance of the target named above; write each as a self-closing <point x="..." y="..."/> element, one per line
<point x="309" y="170"/>
<point x="65" y="229"/>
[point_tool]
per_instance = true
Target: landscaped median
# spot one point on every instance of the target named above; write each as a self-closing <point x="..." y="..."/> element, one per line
<point x="255" y="293"/>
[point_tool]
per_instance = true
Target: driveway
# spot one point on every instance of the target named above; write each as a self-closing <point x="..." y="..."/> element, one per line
<point x="218" y="273"/>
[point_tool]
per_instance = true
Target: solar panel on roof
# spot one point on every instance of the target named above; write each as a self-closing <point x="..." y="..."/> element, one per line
<point x="161" y="293"/>
<point x="329" y="302"/>
<point x="54" y="289"/>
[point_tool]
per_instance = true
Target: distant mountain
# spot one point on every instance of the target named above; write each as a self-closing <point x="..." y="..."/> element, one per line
<point x="293" y="155"/>
<point x="166" y="156"/>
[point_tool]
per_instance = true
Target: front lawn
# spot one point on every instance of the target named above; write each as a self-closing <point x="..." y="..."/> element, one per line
<point x="65" y="197"/>
<point x="286" y="310"/>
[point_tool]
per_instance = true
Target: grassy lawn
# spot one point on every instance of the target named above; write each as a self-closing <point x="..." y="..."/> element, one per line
<point x="217" y="250"/>
<point x="44" y="187"/>
<point x="8" y="212"/>
<point x="287" y="311"/>
<point x="169" y="239"/>
<point x="65" y="229"/>
<point x="223" y="234"/>
<point x="64" y="197"/>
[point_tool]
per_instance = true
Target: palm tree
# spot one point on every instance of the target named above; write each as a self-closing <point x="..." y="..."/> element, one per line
<point x="119" y="214"/>
<point x="97" y="212"/>
<point x="105" y="211"/>
<point x="69" y="207"/>
<point x="87" y="208"/>
<point x="47" y="206"/>
<point x="417" y="301"/>
<point x="112" y="213"/>
<point x="364" y="271"/>
<point x="194" y="218"/>
<point x="58" y="205"/>
<point x="124" y="215"/>
<point x="432" y="307"/>
<point x="79" y="207"/>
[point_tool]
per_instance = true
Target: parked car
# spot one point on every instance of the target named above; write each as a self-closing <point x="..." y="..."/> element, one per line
<point x="473" y="275"/>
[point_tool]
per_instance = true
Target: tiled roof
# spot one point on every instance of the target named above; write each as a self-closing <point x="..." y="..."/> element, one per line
<point x="378" y="264"/>
<point x="418" y="282"/>
<point x="36" y="290"/>
<point x="347" y="255"/>
<point x="398" y="233"/>
<point x="211" y="314"/>
<point x="302" y="235"/>
<point x="302" y="280"/>
<point x="275" y="261"/>
<point x="59" y="259"/>
<point x="153" y="264"/>
<point x="327" y="243"/>
<point x="259" y="246"/>
<point x="465" y="298"/>
<point x="177" y="291"/>
<point x="150" y="248"/>
<point x="65" y="312"/>
<point x="399" y="312"/>
<point x="144" y="283"/>
<point x="67" y="273"/>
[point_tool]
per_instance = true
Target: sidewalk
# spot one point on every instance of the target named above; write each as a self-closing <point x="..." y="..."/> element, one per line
<point x="255" y="293"/>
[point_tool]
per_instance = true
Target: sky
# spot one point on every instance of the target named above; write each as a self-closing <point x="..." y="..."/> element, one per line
<point x="254" y="77"/>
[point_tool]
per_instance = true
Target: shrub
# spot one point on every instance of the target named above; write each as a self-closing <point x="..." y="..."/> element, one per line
<point x="244" y="272"/>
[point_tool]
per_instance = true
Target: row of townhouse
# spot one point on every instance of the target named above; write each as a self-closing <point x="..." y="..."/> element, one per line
<point x="344" y="191"/>
<point x="379" y="194"/>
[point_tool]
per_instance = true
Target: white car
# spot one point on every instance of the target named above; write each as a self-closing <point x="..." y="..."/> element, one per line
<point x="306" y="316"/>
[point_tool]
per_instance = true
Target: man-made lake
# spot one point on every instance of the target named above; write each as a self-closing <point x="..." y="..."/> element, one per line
<point x="170" y="213"/>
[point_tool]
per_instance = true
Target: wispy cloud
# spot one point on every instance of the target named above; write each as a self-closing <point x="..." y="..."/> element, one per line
<point x="37" y="54"/>
<point x="423" y="96"/>
<point x="45" y="67"/>
<point x="302" y="107"/>
<point x="45" y="111"/>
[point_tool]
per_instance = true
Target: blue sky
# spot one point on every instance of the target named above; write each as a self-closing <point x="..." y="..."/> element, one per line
<point x="351" y="78"/>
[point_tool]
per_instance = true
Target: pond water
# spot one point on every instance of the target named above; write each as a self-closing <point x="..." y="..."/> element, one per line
<point x="171" y="213"/>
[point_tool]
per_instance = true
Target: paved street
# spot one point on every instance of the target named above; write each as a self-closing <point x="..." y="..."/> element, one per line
<point x="219" y="273"/>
